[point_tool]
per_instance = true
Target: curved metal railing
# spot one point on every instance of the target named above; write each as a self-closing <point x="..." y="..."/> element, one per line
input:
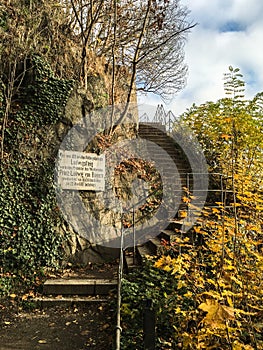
<point x="161" y="117"/>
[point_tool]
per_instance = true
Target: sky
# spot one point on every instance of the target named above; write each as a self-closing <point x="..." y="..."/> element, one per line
<point x="228" y="32"/>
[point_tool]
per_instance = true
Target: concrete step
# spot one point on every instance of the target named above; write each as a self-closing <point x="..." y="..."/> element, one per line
<point x="155" y="138"/>
<point x="168" y="235"/>
<point x="64" y="286"/>
<point x="168" y="165"/>
<point x="181" y="163"/>
<point x="160" y="141"/>
<point x="175" y="157"/>
<point x="155" y="128"/>
<point x="160" y="159"/>
<point x="150" y="123"/>
<point x="142" y="252"/>
<point x="147" y="134"/>
<point x="163" y="138"/>
<point x="170" y="150"/>
<point x="150" y="132"/>
<point x="67" y="301"/>
<point x="130" y="263"/>
<point x="155" y="246"/>
<point x="154" y="144"/>
<point x="171" y="153"/>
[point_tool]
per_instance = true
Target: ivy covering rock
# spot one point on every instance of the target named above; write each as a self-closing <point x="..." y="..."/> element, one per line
<point x="29" y="215"/>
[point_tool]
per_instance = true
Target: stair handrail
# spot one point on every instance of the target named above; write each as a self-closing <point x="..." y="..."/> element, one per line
<point x="121" y="265"/>
<point x="161" y="117"/>
<point x="120" y="274"/>
<point x="144" y="118"/>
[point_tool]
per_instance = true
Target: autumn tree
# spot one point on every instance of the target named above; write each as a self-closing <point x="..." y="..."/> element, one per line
<point x="218" y="276"/>
<point x="230" y="130"/>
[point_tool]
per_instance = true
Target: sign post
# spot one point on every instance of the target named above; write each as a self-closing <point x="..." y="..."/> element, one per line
<point x="81" y="171"/>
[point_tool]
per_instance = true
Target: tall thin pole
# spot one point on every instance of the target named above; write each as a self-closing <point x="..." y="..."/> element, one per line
<point x="120" y="270"/>
<point x="134" y="238"/>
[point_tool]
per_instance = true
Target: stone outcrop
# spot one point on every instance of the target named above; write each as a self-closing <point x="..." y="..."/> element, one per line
<point x="92" y="105"/>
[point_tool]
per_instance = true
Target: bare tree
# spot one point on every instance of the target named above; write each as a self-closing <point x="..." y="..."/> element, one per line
<point x="155" y="54"/>
<point x="146" y="36"/>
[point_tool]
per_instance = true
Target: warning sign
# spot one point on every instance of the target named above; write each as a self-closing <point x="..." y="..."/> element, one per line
<point x="81" y="171"/>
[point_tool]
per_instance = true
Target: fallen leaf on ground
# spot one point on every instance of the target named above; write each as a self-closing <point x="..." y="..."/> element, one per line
<point x="105" y="326"/>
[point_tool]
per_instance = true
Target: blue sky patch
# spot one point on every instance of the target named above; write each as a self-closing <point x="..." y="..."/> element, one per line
<point x="250" y="76"/>
<point x="232" y="26"/>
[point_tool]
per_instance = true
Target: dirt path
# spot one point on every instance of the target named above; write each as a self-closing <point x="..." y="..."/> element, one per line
<point x="75" y="328"/>
<point x="89" y="326"/>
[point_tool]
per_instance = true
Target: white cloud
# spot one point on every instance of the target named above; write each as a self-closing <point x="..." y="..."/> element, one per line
<point x="214" y="13"/>
<point x="214" y="44"/>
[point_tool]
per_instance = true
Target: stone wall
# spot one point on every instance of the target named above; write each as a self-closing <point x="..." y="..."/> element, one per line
<point x="92" y="104"/>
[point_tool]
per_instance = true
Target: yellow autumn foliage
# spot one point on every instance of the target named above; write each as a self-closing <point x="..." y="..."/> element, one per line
<point x="217" y="315"/>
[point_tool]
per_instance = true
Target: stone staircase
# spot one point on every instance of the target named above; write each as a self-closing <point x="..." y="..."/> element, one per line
<point x="156" y="133"/>
<point x="78" y="289"/>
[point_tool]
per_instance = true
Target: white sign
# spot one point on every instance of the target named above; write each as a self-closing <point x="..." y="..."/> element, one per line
<point x="81" y="171"/>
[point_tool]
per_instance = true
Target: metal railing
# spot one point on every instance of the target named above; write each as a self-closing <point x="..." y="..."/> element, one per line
<point x="161" y="117"/>
<point x="121" y="261"/>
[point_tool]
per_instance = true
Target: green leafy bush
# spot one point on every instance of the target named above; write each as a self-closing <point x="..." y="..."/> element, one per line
<point x="29" y="217"/>
<point x="160" y="287"/>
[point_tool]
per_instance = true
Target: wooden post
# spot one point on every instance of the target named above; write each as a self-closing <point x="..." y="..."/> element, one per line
<point x="148" y="326"/>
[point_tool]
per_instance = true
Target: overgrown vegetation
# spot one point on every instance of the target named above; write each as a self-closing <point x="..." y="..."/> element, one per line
<point x="159" y="287"/>
<point x="29" y="216"/>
